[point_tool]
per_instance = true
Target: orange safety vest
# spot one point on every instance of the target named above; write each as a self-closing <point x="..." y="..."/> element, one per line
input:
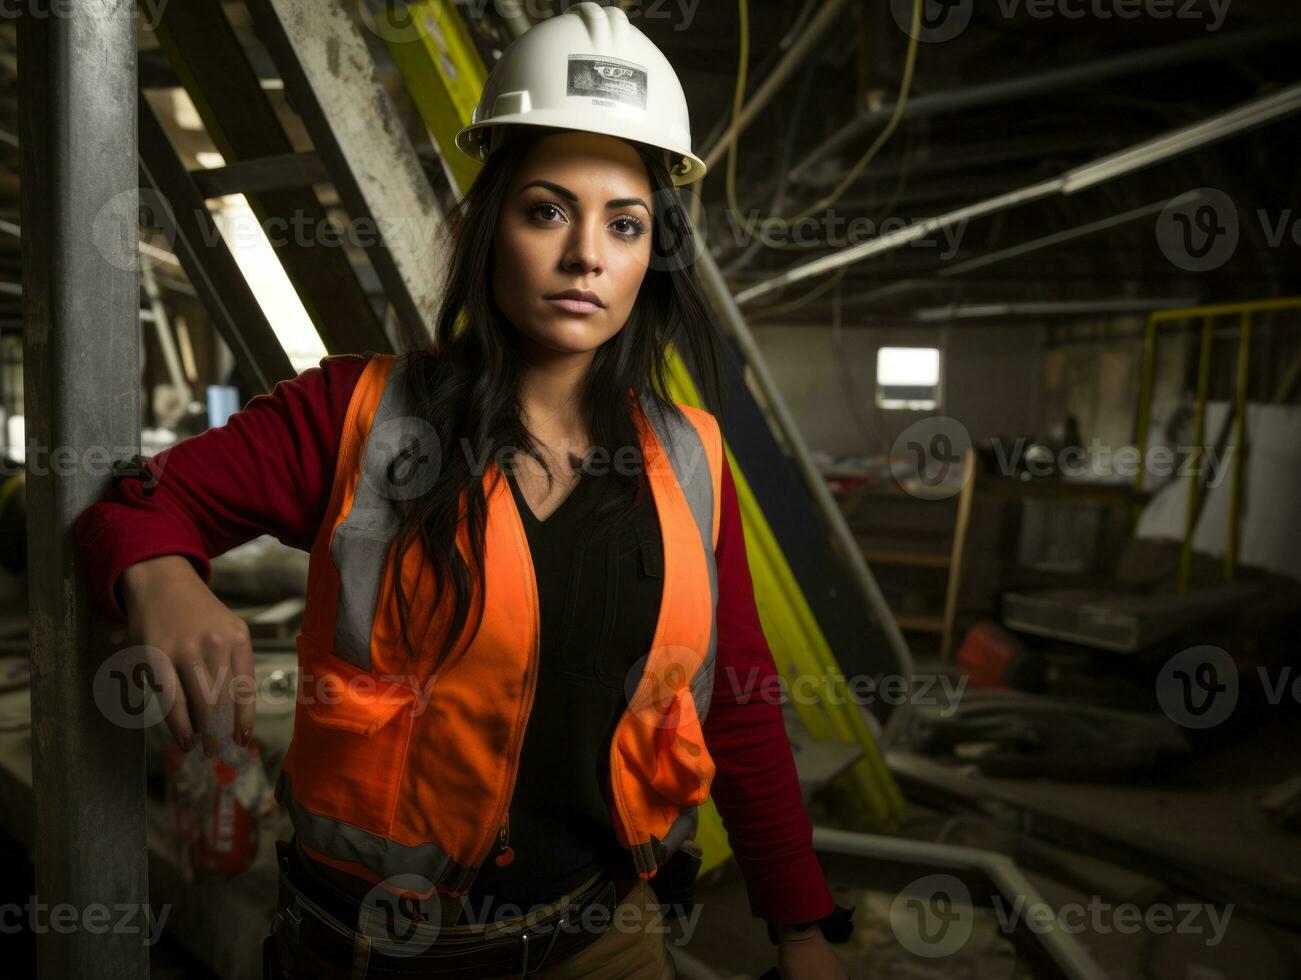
<point x="397" y="770"/>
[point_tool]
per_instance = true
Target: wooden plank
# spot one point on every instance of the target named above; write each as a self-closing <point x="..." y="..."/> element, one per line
<point x="972" y="468"/>
<point x="911" y="559"/>
<point x="919" y="623"/>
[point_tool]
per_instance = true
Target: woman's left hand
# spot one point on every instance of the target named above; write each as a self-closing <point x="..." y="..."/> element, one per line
<point x="808" y="956"/>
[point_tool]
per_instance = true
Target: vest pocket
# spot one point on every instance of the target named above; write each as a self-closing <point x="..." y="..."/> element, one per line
<point x="343" y="696"/>
<point x="682" y="769"/>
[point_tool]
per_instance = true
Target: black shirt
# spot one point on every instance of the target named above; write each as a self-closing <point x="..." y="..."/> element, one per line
<point x="599" y="595"/>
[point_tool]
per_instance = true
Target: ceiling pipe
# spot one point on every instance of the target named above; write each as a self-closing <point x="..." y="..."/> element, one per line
<point x="1246" y="116"/>
<point x="980" y="311"/>
<point x="1042" y="83"/>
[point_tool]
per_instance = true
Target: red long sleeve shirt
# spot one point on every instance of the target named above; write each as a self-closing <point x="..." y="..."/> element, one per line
<point x="269" y="470"/>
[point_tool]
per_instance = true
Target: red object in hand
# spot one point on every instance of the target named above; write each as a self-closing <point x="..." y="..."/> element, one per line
<point x="217" y="831"/>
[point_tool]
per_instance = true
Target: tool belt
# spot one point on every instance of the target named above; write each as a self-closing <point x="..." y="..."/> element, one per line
<point x="316" y="929"/>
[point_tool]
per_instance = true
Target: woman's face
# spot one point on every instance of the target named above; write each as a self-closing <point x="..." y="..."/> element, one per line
<point x="577" y="216"/>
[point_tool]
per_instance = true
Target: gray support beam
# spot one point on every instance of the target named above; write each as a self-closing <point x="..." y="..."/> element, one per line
<point x="241" y="121"/>
<point x="204" y="255"/>
<point x="81" y="376"/>
<point x="355" y="127"/>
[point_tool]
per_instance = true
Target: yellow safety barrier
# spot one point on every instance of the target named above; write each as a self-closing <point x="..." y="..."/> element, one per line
<point x="1208" y="315"/>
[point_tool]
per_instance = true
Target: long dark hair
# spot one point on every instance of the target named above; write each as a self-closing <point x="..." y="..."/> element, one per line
<point x="465" y="384"/>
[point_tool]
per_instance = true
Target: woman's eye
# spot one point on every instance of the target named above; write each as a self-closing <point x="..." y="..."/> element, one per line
<point x="630" y="227"/>
<point x="545" y="210"/>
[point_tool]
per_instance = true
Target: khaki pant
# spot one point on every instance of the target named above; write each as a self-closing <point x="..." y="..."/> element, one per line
<point x="634" y="947"/>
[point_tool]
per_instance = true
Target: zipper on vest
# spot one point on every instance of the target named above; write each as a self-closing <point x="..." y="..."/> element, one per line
<point x="505" y="853"/>
<point x="500" y="819"/>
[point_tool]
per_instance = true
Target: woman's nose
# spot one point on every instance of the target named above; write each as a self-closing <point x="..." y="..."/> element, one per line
<point x="582" y="251"/>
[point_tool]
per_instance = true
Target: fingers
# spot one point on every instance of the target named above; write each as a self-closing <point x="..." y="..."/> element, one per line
<point x="178" y="714"/>
<point x="244" y="687"/>
<point x="195" y="684"/>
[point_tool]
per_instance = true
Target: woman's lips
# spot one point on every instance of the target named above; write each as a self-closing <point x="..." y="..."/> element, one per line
<point x="575" y="305"/>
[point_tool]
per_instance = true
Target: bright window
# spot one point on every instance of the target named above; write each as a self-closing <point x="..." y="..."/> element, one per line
<point x="908" y="378"/>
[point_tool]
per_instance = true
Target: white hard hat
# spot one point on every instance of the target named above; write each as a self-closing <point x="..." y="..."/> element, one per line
<point x="587" y="69"/>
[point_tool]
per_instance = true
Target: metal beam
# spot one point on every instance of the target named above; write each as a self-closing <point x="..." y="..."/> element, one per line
<point x="952" y="873"/>
<point x="980" y="311"/>
<point x="1043" y="83"/>
<point x="1249" y="115"/>
<point x="358" y="133"/>
<point x="81" y="384"/>
<point x="208" y="57"/>
<point x="1014" y="251"/>
<point x="259" y="356"/>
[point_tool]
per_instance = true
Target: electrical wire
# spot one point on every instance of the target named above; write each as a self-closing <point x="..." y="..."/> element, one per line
<point x="905" y="86"/>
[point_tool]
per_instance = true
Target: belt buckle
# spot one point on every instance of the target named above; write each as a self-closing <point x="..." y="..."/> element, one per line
<point x="546" y="953"/>
<point x="291" y="917"/>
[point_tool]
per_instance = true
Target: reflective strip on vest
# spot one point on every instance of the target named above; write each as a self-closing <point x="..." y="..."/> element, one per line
<point x="375" y="782"/>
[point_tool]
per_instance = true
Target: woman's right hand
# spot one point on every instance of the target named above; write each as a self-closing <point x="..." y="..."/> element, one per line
<point x="207" y="649"/>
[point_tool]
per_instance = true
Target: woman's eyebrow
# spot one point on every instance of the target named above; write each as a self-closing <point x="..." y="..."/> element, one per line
<point x="565" y="192"/>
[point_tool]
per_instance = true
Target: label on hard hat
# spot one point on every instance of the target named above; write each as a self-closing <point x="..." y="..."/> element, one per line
<point x="607" y="78"/>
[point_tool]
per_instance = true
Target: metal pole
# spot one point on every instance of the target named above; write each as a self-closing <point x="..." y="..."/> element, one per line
<point x="1199" y="453"/>
<point x="712" y="281"/>
<point x="1240" y="451"/>
<point x="81" y="324"/>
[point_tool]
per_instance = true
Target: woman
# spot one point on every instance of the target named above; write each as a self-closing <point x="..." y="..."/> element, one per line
<point x="477" y="769"/>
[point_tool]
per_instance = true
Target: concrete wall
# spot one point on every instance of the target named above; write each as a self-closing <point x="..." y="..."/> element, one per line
<point x="990" y="380"/>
